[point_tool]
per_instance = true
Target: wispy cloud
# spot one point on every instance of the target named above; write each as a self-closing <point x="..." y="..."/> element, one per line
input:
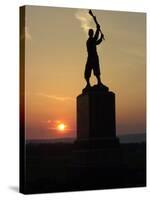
<point x="84" y="18"/>
<point x="58" y="98"/>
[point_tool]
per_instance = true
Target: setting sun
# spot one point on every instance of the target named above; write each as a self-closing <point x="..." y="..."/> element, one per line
<point x="61" y="127"/>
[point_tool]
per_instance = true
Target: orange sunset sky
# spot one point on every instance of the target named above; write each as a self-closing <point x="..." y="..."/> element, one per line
<point x="55" y="57"/>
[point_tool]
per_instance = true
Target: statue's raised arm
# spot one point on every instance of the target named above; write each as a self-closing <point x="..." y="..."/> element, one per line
<point x="96" y="22"/>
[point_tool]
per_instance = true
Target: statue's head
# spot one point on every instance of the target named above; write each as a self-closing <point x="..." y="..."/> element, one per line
<point x="91" y="32"/>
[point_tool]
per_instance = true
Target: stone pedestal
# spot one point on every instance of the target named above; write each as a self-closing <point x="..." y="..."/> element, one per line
<point x="97" y="145"/>
<point x="96" y="115"/>
<point x="96" y="149"/>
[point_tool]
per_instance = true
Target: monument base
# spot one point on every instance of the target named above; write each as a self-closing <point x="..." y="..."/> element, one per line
<point x="96" y="144"/>
<point x="96" y="114"/>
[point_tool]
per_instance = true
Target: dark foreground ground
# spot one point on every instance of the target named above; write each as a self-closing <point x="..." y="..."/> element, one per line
<point x="67" y="167"/>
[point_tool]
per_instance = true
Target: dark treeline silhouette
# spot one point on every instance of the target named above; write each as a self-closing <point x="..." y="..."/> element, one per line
<point x="67" y="167"/>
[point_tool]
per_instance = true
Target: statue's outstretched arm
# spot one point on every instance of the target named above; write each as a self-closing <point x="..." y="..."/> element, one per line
<point x="97" y="32"/>
<point x="100" y="40"/>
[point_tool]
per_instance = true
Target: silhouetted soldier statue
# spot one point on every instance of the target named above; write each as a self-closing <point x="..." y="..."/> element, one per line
<point x="93" y="60"/>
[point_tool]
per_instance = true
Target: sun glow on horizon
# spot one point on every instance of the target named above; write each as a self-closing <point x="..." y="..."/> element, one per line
<point x="61" y="127"/>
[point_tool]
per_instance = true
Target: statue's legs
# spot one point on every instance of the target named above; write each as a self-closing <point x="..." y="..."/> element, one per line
<point x="92" y="64"/>
<point x="98" y="79"/>
<point x="87" y="73"/>
<point x="96" y="69"/>
<point x="88" y="82"/>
